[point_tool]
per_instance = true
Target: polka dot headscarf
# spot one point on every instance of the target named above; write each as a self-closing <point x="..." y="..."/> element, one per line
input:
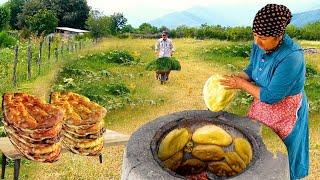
<point x="271" y="20"/>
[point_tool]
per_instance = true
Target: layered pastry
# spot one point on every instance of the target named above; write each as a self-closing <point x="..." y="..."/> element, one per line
<point x="33" y="126"/>
<point x="83" y="127"/>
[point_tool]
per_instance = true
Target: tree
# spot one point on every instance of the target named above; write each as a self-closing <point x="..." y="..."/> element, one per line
<point x="147" y="28"/>
<point x="128" y="29"/>
<point x="42" y="23"/>
<point x="70" y="13"/>
<point x="15" y="7"/>
<point x="98" y="24"/>
<point x="163" y="28"/>
<point x="4" y="17"/>
<point x="29" y="9"/>
<point x="118" y="22"/>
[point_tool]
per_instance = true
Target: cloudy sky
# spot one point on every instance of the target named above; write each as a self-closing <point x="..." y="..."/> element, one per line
<point x="139" y="11"/>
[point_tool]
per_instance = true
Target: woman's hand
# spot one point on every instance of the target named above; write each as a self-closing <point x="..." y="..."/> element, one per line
<point x="232" y="82"/>
<point x="237" y="82"/>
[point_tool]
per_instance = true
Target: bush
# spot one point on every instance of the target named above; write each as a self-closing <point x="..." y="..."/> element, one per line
<point x="164" y="64"/>
<point x="114" y="56"/>
<point x="117" y="89"/>
<point x="68" y="71"/>
<point x="238" y="50"/>
<point x="6" y="40"/>
<point x="120" y="57"/>
<point x="311" y="71"/>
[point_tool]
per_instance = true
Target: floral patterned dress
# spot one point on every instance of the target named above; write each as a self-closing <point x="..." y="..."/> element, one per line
<point x="283" y="104"/>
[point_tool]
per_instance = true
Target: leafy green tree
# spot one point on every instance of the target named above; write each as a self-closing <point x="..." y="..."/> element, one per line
<point x="147" y="28"/>
<point x="42" y="23"/>
<point x="118" y="23"/>
<point x="128" y="29"/>
<point x="15" y="7"/>
<point x="70" y="13"/>
<point x="98" y="24"/>
<point x="163" y="28"/>
<point x="29" y="9"/>
<point x="4" y="17"/>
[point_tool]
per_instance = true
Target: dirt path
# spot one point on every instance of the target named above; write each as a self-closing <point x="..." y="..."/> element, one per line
<point x="41" y="86"/>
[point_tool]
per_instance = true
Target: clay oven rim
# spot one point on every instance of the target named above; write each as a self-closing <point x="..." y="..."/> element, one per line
<point x="254" y="140"/>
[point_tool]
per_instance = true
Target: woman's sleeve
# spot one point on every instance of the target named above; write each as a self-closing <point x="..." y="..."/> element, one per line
<point x="248" y="69"/>
<point x="284" y="78"/>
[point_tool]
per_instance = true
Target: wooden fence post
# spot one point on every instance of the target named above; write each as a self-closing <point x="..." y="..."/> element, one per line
<point x="40" y="56"/>
<point x="15" y="63"/>
<point x="56" y="52"/>
<point x="29" y="58"/>
<point x="49" y="48"/>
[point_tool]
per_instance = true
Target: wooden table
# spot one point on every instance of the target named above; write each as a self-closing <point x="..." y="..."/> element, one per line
<point x="111" y="138"/>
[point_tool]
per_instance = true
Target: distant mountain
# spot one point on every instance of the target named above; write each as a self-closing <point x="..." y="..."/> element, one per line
<point x="199" y="15"/>
<point x="301" y="19"/>
<point x="176" y="19"/>
<point x="224" y="16"/>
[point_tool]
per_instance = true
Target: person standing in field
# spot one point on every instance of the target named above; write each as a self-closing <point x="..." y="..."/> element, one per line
<point x="164" y="48"/>
<point x="275" y="77"/>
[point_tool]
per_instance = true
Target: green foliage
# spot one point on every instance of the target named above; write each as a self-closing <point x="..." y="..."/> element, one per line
<point x="128" y="29"/>
<point x="224" y="33"/>
<point x="293" y="31"/>
<point x="310" y="31"/>
<point x="15" y="7"/>
<point x="113" y="56"/>
<point x="6" y="40"/>
<point x="28" y="9"/>
<point x="311" y="71"/>
<point x="4" y="17"/>
<point x="312" y="87"/>
<point x="119" y="56"/>
<point x="98" y="24"/>
<point x="183" y="31"/>
<point x="164" y="64"/>
<point x="118" y="22"/>
<point x="117" y="89"/>
<point x="239" y="33"/>
<point x="237" y="50"/>
<point x="70" y="13"/>
<point x="72" y="72"/>
<point x="146" y="28"/>
<point x="42" y="23"/>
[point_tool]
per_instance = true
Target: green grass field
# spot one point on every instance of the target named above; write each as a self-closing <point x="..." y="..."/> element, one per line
<point x="147" y="99"/>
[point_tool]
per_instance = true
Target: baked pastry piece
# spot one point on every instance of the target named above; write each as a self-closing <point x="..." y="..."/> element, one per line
<point x="83" y="127"/>
<point x="33" y="126"/>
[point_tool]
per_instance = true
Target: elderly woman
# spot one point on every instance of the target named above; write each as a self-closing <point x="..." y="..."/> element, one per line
<point x="275" y="77"/>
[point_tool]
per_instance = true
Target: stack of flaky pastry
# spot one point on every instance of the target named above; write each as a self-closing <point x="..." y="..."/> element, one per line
<point x="33" y="126"/>
<point x="83" y="127"/>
